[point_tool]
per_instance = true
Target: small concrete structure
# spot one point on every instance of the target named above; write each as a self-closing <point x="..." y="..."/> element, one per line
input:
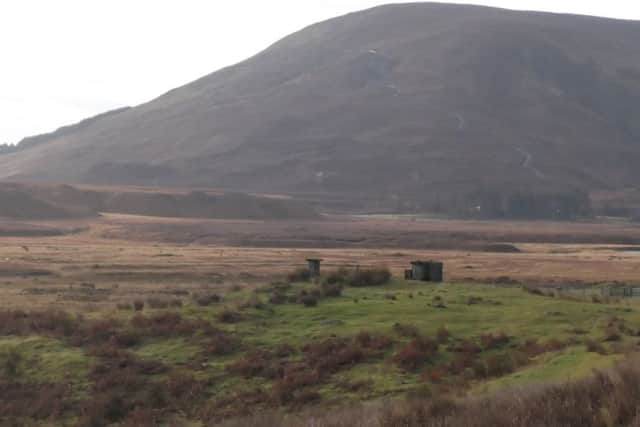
<point x="314" y="267"/>
<point x="425" y="271"/>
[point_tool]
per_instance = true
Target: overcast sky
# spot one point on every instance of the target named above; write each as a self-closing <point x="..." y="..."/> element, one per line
<point x="65" y="60"/>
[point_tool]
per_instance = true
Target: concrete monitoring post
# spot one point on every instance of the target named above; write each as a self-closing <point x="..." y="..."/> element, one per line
<point x="426" y="271"/>
<point x="314" y="267"/>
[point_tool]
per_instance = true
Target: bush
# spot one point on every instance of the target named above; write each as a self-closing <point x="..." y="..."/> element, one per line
<point x="157" y="303"/>
<point x="299" y="275"/>
<point x="309" y="301"/>
<point x="534" y="291"/>
<point x="229" y="316"/>
<point x="406" y="330"/>
<point x="253" y="302"/>
<point x="595" y="347"/>
<point x="416" y="353"/>
<point x="258" y="363"/>
<point x="138" y="305"/>
<point x="205" y="300"/>
<point x="331" y="290"/>
<point x="371" y="341"/>
<point x="11" y="363"/>
<point x="278" y="298"/>
<point x="443" y="335"/>
<point x="369" y="277"/>
<point x="490" y="341"/>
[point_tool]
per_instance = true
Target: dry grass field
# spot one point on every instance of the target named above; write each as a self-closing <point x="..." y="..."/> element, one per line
<point x="95" y="264"/>
<point x="135" y="321"/>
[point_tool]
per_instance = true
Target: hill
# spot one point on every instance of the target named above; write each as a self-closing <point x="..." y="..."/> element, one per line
<point x="38" y="202"/>
<point x="410" y="107"/>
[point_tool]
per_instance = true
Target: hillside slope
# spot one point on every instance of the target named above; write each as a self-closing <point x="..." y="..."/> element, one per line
<point x="411" y="102"/>
<point x="37" y="202"/>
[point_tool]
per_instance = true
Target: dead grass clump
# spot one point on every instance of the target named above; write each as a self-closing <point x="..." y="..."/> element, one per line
<point x="253" y="302"/>
<point x="34" y="401"/>
<point x="416" y="353"/>
<point x="534" y="291"/>
<point x="126" y="339"/>
<point x="331" y="290"/>
<point x="12" y="360"/>
<point x="229" y="316"/>
<point x="222" y="343"/>
<point x="157" y="303"/>
<point x="472" y="300"/>
<point x="491" y="341"/>
<point x="205" y="300"/>
<point x="612" y="334"/>
<point x="370" y="277"/>
<point x="167" y="325"/>
<point x="359" y="277"/>
<point x="141" y="417"/>
<point x="443" y="335"/>
<point x="466" y="346"/>
<point x="51" y="322"/>
<point x="258" y="363"/>
<point x="120" y="384"/>
<point x="309" y="300"/>
<point x="406" y="330"/>
<point x="372" y="341"/>
<point x="184" y="389"/>
<point x="595" y="347"/>
<point x="299" y="275"/>
<point x="278" y="298"/>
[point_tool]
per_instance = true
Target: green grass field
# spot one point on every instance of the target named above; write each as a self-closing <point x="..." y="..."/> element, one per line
<point x="559" y="330"/>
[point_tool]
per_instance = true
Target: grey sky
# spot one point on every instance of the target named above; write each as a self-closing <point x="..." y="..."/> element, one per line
<point x="65" y="60"/>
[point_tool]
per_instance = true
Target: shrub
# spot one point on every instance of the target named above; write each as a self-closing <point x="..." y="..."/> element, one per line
<point x="278" y="298"/>
<point x="474" y="300"/>
<point x="495" y="366"/>
<point x="11" y="363"/>
<point x="138" y="305"/>
<point x="368" y="340"/>
<point x="175" y="303"/>
<point x="167" y="324"/>
<point x="406" y="330"/>
<point x="467" y="346"/>
<point x="229" y="316"/>
<point x="443" y="335"/>
<point x="299" y="275"/>
<point x="595" y="347"/>
<point x="157" y="303"/>
<point x="337" y="277"/>
<point x="253" y="302"/>
<point x="612" y="334"/>
<point x="126" y="339"/>
<point x="222" y="343"/>
<point x="416" y="353"/>
<point x="309" y="301"/>
<point x="183" y="388"/>
<point x="124" y="306"/>
<point x="331" y="290"/>
<point x="205" y="300"/>
<point x="258" y="363"/>
<point x="490" y="341"/>
<point x="370" y="277"/>
<point x="534" y="291"/>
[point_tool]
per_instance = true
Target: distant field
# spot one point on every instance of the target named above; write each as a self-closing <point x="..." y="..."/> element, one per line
<point x="95" y="264"/>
